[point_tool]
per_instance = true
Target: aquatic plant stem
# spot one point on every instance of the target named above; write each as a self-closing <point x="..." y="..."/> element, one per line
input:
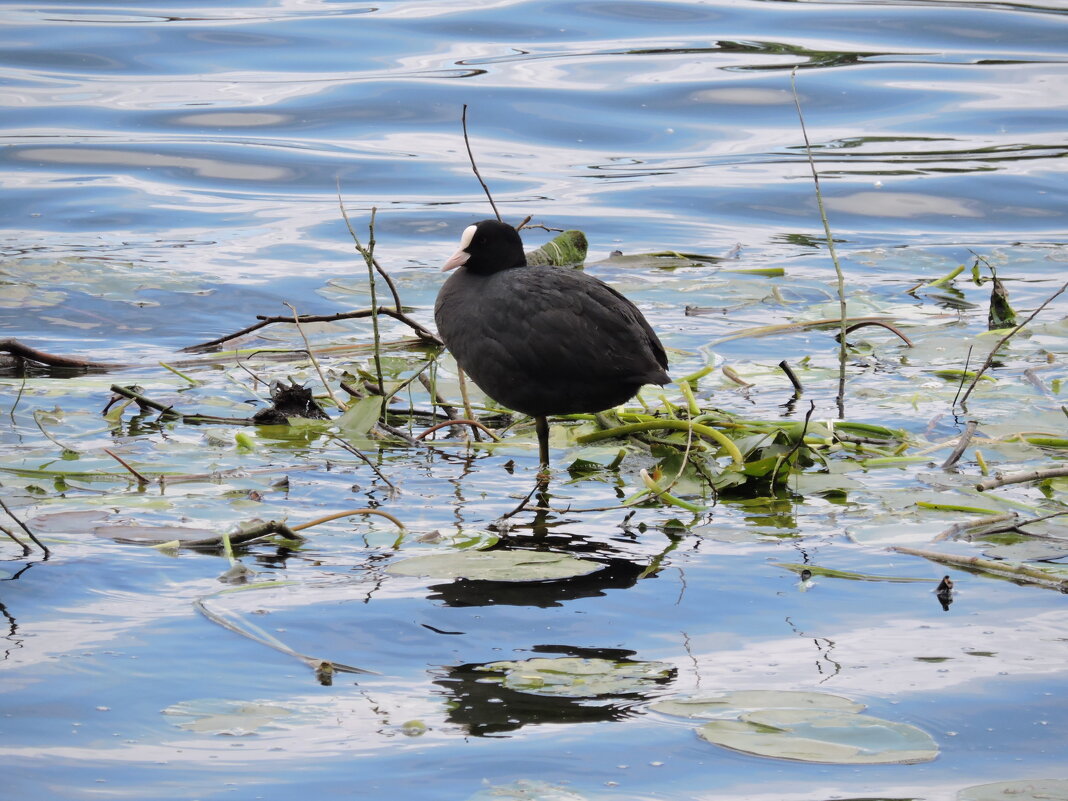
<point x="311" y="355"/>
<point x="25" y="528"/>
<point x="474" y="166"/>
<point x="993" y="351"/>
<point x="830" y="248"/>
<point x="677" y="425"/>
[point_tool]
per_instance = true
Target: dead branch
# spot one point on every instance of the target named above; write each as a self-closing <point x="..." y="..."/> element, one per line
<point x="22" y="351"/>
<point x="1001" y="479"/>
<point x="423" y="333"/>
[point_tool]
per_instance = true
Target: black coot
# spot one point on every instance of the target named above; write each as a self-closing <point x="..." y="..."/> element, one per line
<point x="542" y="340"/>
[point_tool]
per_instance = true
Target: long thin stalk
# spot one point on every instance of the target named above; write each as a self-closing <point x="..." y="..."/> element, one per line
<point x="830" y="248"/>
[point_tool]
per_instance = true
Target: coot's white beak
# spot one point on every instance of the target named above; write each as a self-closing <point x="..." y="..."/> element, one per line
<point x="461" y="256"/>
<point x="457" y="259"/>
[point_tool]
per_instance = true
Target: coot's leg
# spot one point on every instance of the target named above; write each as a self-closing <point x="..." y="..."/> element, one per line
<point x="541" y="425"/>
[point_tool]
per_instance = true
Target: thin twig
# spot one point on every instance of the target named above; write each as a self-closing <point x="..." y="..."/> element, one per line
<point x="21" y="351"/>
<point x="24" y="527"/>
<point x="349" y="513"/>
<point x="435" y="398"/>
<point x="447" y="423"/>
<point x="140" y="478"/>
<point x="25" y="548"/>
<point x="311" y="355"/>
<point x="993" y="353"/>
<point x="887" y="326"/>
<point x="264" y="320"/>
<point x="963" y="376"/>
<point x="468" y="413"/>
<point x="474" y="166"/>
<point x="962" y="444"/>
<point x="356" y="452"/>
<point x="360" y="249"/>
<point x="830" y="249"/>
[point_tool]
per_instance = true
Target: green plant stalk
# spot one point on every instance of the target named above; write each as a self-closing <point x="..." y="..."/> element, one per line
<point x="830" y="248"/>
<point x="369" y="258"/>
<point x="948" y="277"/>
<point x="981" y="461"/>
<point x="952" y="507"/>
<point x="178" y="373"/>
<point x="676" y="425"/>
<point x="667" y="497"/>
<point x="893" y="460"/>
<point x="691" y="401"/>
<point x="694" y="377"/>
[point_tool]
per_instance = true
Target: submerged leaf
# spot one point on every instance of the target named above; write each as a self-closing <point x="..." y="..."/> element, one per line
<point x="716" y="706"/>
<point x="495" y="566"/>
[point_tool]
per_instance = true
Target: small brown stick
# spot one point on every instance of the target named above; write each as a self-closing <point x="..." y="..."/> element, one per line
<point x="423" y="333"/>
<point x="963" y="376"/>
<point x="964" y="525"/>
<point x="785" y="367"/>
<point x="988" y="565"/>
<point x="314" y="361"/>
<point x="21" y="351"/>
<point x="471" y="423"/>
<point x="369" y="252"/>
<point x="23" y="526"/>
<point x="993" y="352"/>
<point x="48" y="436"/>
<point x="140" y="478"/>
<point x="797" y="445"/>
<point x="1001" y="479"/>
<point x="474" y="166"/>
<point x="962" y="444"/>
<point x="25" y="548"/>
<point x="356" y="452"/>
<point x="733" y="376"/>
<point x="349" y="513"/>
<point x="450" y="411"/>
<point x="887" y="326"/>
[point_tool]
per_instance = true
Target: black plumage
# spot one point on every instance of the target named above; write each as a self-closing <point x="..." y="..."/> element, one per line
<point x="542" y="340"/>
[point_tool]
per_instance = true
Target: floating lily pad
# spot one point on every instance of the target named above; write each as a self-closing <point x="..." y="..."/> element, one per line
<point x="67" y="522"/>
<point x="822" y="736"/>
<point x="709" y="707"/>
<point x="577" y="677"/>
<point x="1028" y="551"/>
<point x="495" y="566"/>
<point x="234" y="718"/>
<point x="1018" y="790"/>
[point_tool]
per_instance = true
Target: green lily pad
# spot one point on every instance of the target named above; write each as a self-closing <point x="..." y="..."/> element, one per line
<point x="495" y="566"/>
<point x="709" y="707"/>
<point x="822" y="736"/>
<point x="1018" y="790"/>
<point x="576" y="677"/>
